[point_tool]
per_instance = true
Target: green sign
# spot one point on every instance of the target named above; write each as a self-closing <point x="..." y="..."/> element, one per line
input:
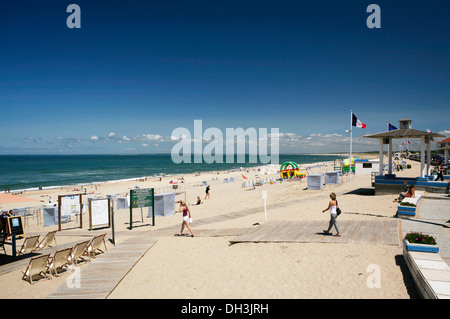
<point x="141" y="197"/>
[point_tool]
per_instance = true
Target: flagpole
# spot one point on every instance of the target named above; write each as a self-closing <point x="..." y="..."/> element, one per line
<point x="351" y="137"/>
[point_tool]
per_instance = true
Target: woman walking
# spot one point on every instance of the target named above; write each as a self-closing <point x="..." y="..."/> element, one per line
<point x="186" y="217"/>
<point x="332" y="205"/>
<point x="439" y="171"/>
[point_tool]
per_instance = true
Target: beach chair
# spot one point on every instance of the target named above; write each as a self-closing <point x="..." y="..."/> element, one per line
<point x="60" y="259"/>
<point x="79" y="251"/>
<point x="29" y="245"/>
<point x="95" y="244"/>
<point x="2" y="241"/>
<point x="47" y="240"/>
<point x="37" y="266"/>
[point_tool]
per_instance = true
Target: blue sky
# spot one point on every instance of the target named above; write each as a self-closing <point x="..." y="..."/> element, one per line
<point x="136" y="70"/>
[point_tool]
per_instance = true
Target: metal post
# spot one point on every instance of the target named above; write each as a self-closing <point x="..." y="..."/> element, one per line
<point x="131" y="213"/>
<point x="13" y="244"/>
<point x="111" y="207"/>
<point x="153" y="206"/>
<point x="351" y="137"/>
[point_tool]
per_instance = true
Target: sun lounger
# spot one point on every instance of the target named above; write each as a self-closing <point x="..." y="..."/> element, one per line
<point x="47" y="240"/>
<point x="37" y="266"/>
<point x="79" y="251"/>
<point x="29" y="245"/>
<point x="60" y="259"/>
<point x="95" y="245"/>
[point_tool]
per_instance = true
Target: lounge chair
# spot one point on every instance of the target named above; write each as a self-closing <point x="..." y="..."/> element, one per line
<point x="47" y="240"/>
<point x="60" y="259"/>
<point x="2" y="241"/>
<point x="37" y="266"/>
<point x="95" y="245"/>
<point x="78" y="251"/>
<point x="29" y="245"/>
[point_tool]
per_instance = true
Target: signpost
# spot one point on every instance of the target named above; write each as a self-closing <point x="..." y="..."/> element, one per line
<point x="139" y="198"/>
<point x="264" y="197"/>
<point x="14" y="226"/>
<point x="112" y="199"/>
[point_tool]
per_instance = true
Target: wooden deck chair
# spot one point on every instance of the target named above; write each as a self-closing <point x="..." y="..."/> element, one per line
<point x="29" y="245"/>
<point x="47" y="240"/>
<point x="78" y="251"/>
<point x="60" y="259"/>
<point x="95" y="244"/>
<point x="37" y="266"/>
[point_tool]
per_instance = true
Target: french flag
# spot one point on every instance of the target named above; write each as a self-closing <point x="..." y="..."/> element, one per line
<point x="357" y="123"/>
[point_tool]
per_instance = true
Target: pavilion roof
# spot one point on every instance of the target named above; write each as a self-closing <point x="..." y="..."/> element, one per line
<point x="403" y="133"/>
<point x="447" y="140"/>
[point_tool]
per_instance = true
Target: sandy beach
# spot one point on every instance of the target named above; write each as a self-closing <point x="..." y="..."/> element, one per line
<point x="210" y="267"/>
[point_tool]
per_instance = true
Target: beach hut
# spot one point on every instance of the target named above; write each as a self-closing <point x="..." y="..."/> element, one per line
<point x="366" y="166"/>
<point x="314" y="181"/>
<point x="123" y="202"/>
<point x="164" y="205"/>
<point x="333" y="177"/>
<point x="51" y="213"/>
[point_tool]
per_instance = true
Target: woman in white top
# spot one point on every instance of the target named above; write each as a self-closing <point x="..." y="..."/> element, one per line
<point x="333" y="220"/>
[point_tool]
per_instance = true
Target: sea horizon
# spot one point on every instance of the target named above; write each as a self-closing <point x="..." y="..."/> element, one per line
<point x="31" y="172"/>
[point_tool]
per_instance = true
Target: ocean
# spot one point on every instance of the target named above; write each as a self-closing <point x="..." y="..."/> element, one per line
<point x="29" y="172"/>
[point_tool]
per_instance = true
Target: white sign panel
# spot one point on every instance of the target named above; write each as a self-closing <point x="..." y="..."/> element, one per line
<point x="70" y="205"/>
<point x="99" y="212"/>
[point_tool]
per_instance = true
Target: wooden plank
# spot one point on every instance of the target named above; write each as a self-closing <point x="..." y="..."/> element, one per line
<point x="361" y="231"/>
<point x="102" y="275"/>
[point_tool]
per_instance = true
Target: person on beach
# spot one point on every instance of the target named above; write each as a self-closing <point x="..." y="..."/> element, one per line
<point x="207" y="192"/>
<point x="4" y="219"/>
<point x="332" y="205"/>
<point x="402" y="194"/>
<point x="439" y="172"/>
<point x="199" y="201"/>
<point x="186" y="218"/>
<point x="411" y="192"/>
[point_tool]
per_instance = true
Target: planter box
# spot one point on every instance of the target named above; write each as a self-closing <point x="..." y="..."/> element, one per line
<point x="406" y="210"/>
<point x="420" y="247"/>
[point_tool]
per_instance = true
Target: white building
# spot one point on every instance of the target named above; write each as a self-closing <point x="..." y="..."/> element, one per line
<point x="364" y="166"/>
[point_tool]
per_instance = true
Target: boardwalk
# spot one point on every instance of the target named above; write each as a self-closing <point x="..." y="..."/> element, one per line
<point x="103" y="274"/>
<point x="384" y="232"/>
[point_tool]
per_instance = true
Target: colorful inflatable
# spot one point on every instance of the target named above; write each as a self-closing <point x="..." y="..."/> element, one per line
<point x="290" y="170"/>
<point x="346" y="166"/>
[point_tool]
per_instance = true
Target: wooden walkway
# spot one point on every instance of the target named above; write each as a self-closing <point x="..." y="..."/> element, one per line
<point x="384" y="231"/>
<point x="99" y="278"/>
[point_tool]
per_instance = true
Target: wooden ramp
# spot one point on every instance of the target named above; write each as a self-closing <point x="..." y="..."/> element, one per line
<point x="98" y="278"/>
<point x="384" y="231"/>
